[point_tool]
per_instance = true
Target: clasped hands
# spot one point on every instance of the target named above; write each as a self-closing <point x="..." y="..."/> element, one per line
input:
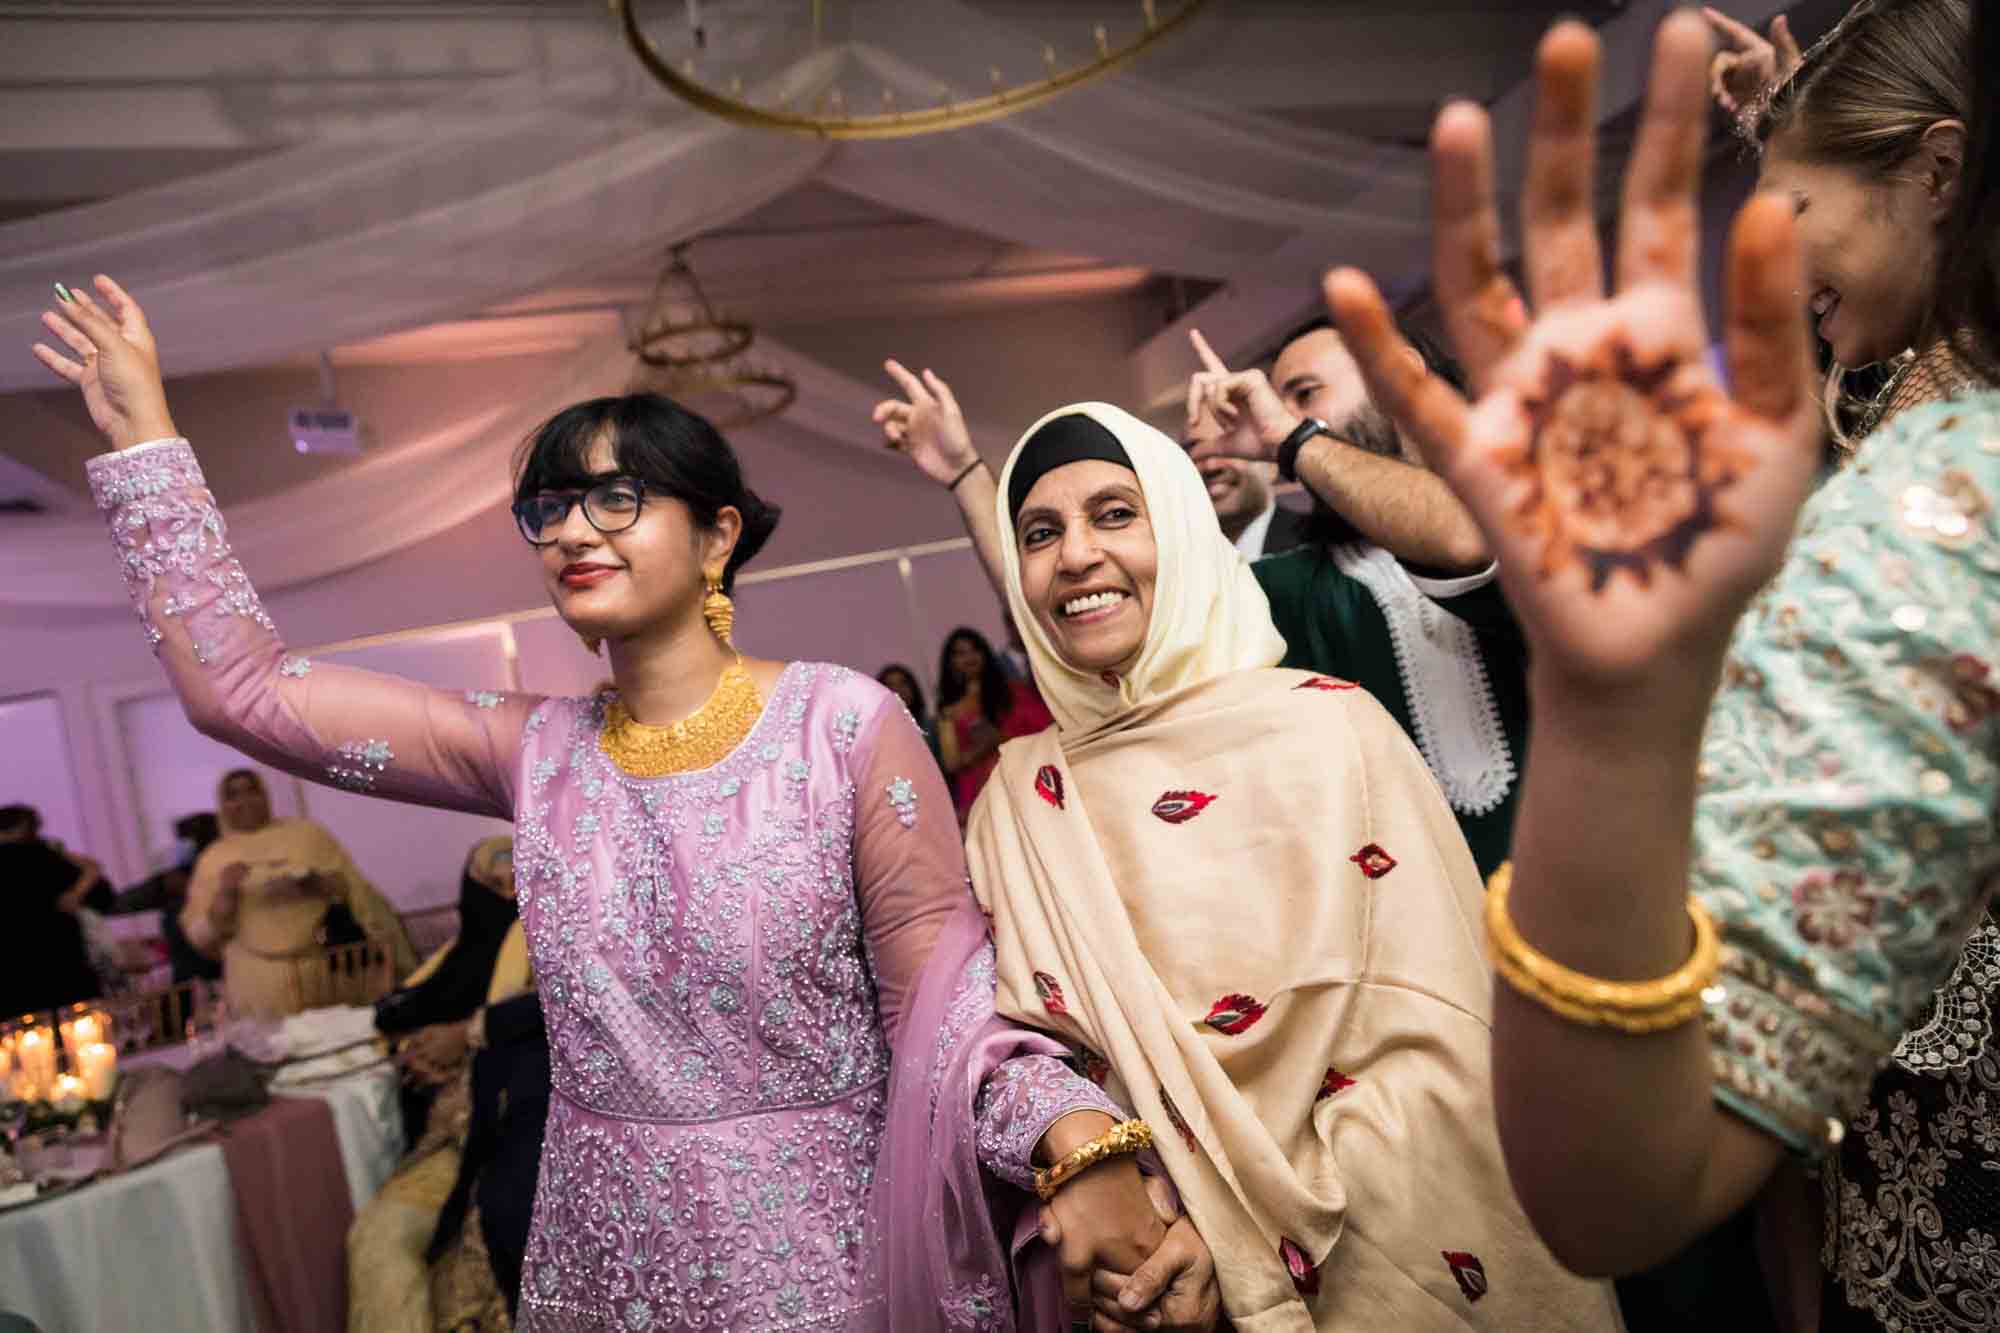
<point x="432" y="1055"/>
<point x="1128" y="1255"/>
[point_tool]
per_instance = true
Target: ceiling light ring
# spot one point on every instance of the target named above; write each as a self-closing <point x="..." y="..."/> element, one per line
<point x="899" y="123"/>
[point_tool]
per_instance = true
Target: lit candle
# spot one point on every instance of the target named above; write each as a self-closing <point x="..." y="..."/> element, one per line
<point x="35" y="1052"/>
<point x="97" y="1065"/>
<point x="68" y="1093"/>
<point x="22" y="1087"/>
<point x="84" y="1030"/>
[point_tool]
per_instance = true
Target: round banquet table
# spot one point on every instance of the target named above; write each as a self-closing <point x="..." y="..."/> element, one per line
<point x="156" y="1248"/>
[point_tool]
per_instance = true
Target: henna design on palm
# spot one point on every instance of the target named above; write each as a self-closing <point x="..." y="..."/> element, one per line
<point x="1621" y="464"/>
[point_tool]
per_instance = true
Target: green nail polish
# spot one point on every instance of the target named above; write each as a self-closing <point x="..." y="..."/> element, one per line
<point x="62" y="293"/>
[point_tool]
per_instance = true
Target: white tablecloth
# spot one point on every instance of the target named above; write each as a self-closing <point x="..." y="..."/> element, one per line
<point x="155" y="1249"/>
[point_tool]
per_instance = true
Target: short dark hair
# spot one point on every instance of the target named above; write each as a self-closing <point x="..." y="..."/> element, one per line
<point x="16" y="818"/>
<point x="660" y="444"/>
<point x="1436" y="359"/>
<point x="1370" y="428"/>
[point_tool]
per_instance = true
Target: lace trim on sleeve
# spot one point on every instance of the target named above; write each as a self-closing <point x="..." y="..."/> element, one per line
<point x="165" y="525"/>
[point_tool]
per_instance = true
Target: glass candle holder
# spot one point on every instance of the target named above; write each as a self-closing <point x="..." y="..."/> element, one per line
<point x="35" y="1057"/>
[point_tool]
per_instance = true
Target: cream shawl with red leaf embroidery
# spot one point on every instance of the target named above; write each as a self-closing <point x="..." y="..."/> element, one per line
<point x="1244" y="890"/>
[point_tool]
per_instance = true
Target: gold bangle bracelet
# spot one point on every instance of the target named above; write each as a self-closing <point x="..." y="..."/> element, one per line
<point x="1130" y="1136"/>
<point x="1629" y="1006"/>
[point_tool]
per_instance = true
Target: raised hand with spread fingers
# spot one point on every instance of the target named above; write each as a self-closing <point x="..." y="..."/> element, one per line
<point x="113" y="360"/>
<point x="1635" y="503"/>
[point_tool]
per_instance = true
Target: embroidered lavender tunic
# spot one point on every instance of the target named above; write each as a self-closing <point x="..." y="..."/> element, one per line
<point x="725" y="957"/>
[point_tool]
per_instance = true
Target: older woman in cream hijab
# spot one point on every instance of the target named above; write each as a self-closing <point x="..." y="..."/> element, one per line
<point x="1239" y="889"/>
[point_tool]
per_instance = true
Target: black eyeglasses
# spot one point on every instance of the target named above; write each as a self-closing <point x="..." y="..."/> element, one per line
<point x="612" y="505"/>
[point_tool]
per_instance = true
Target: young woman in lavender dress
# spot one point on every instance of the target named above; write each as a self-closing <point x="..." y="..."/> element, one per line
<point x="781" y="1098"/>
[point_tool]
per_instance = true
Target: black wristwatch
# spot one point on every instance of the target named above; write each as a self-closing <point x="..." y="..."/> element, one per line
<point x="1288" y="452"/>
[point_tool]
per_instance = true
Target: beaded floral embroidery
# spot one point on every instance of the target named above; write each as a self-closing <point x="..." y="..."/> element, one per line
<point x="903" y="796"/>
<point x="361" y="763"/>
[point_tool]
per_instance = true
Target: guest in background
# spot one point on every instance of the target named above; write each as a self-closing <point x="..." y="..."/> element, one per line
<point x="486" y="1220"/>
<point x="165" y="891"/>
<point x="487" y="959"/>
<point x="1014" y="657"/>
<point x="979" y="706"/>
<point x="167" y="886"/>
<point x="97" y="894"/>
<point x="100" y="946"/>
<point x="902" y="682"/>
<point x="270" y="896"/>
<point x="44" y="963"/>
<point x="436" y="1015"/>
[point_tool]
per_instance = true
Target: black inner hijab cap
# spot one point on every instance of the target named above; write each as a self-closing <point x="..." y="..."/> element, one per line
<point x="1070" y="438"/>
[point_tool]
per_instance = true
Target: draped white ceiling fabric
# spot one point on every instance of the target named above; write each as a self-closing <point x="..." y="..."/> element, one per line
<point x="530" y="183"/>
<point x="519" y="187"/>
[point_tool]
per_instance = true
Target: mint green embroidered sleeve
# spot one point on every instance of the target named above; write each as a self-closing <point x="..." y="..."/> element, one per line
<point x="1845" y="824"/>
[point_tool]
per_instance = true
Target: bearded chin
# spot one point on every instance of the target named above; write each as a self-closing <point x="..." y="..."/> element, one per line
<point x="1370" y="429"/>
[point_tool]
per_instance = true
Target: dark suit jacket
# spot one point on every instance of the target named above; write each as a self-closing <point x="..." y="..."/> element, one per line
<point x="1287" y="530"/>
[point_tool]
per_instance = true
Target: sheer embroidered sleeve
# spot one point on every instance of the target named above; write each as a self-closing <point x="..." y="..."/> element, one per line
<point x="1018" y="1104"/>
<point x="1845" y="836"/>
<point x="910" y="878"/>
<point x="336" y="725"/>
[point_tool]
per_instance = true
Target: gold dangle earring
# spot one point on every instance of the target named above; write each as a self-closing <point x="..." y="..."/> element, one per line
<point x="718" y="610"/>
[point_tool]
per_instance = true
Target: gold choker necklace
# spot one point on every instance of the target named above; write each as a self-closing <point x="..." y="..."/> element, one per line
<point x="702" y="738"/>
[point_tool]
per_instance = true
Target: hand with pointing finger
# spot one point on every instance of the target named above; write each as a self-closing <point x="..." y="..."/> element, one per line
<point x="1254" y="420"/>
<point x="1748" y="65"/>
<point x="926" y="424"/>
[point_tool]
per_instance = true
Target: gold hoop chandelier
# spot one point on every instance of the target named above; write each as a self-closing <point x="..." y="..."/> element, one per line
<point x="696" y="357"/>
<point x="835" y="115"/>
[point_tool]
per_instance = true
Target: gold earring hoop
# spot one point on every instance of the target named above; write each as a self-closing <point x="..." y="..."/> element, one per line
<point x="718" y="610"/>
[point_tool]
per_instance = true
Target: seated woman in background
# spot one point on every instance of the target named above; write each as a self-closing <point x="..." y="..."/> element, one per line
<point x="486" y="960"/>
<point x="270" y="895"/>
<point x="480" y="1245"/>
<point x="979" y="706"/>
<point x="1238" y="893"/>
<point x="439" y="1016"/>
<point x="902" y="682"/>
